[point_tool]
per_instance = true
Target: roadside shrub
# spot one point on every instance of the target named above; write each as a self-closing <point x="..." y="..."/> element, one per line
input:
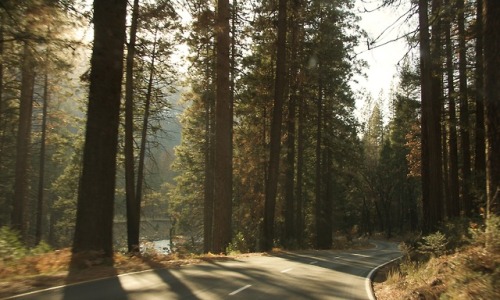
<point x="407" y="249"/>
<point x="493" y="234"/>
<point x="457" y="233"/>
<point x="238" y="245"/>
<point x="11" y="247"/>
<point x="41" y="248"/>
<point x="434" y="244"/>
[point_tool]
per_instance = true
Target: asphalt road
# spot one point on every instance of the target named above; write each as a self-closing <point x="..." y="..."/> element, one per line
<point x="313" y="274"/>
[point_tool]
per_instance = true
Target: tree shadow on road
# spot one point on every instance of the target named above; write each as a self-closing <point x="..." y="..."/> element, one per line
<point x="172" y="282"/>
<point x="81" y="282"/>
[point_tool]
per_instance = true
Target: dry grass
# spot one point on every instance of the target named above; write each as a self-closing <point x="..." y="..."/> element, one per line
<point x="53" y="269"/>
<point x="472" y="273"/>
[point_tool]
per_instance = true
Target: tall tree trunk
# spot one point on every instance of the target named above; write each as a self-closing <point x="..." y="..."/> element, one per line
<point x="94" y="217"/>
<point x="431" y="138"/>
<point x="18" y="218"/>
<point x="144" y="138"/>
<point x="41" y="171"/>
<point x="319" y="179"/>
<point x="491" y="17"/>
<point x="290" y="173"/>
<point x="464" y="112"/>
<point x="300" y="170"/>
<point x="208" y="194"/>
<point x="325" y="225"/>
<point x="275" y="135"/>
<point x="223" y="131"/>
<point x="437" y="99"/>
<point x="2" y="130"/>
<point x="446" y="161"/>
<point x="446" y="168"/>
<point x="452" y="207"/>
<point x="480" y="151"/>
<point x="133" y="215"/>
<point x="290" y="201"/>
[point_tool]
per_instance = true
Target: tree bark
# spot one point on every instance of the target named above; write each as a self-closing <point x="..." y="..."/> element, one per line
<point x="480" y="150"/>
<point x="491" y="18"/>
<point x="431" y="139"/>
<point x="18" y="218"/>
<point x="437" y="103"/>
<point x="464" y="112"/>
<point x="133" y="215"/>
<point x="275" y="135"/>
<point x="453" y="206"/>
<point x="94" y="218"/>
<point x="290" y="200"/>
<point x="208" y="195"/>
<point x="300" y="170"/>
<point x="144" y="138"/>
<point x="319" y="179"/>
<point x="2" y="137"/>
<point x="41" y="171"/>
<point x="223" y="131"/>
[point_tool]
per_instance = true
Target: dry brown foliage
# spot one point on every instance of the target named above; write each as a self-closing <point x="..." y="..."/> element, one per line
<point x="472" y="273"/>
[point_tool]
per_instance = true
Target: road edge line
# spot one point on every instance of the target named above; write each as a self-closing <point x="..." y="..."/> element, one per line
<point x="239" y="290"/>
<point x="368" y="279"/>
<point x="75" y="283"/>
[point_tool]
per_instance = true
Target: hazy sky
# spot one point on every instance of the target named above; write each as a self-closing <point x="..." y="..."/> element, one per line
<point x="382" y="25"/>
<point x="382" y="60"/>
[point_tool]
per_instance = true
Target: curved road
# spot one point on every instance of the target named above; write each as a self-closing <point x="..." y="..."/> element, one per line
<point x="312" y="274"/>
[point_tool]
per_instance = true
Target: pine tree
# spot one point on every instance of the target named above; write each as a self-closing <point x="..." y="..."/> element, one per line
<point x="94" y="220"/>
<point x="491" y="17"/>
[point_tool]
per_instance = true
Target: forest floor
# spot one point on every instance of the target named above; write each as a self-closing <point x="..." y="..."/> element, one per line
<point x="470" y="273"/>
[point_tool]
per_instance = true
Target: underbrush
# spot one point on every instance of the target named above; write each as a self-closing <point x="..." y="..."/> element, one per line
<point x="11" y="247"/>
<point x="456" y="262"/>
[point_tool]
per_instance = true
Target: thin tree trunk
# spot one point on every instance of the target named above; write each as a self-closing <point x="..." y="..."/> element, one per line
<point x="2" y="129"/>
<point x="223" y="131"/>
<point x="444" y="132"/>
<point x="480" y="151"/>
<point x="133" y="216"/>
<point x="18" y="218"/>
<point x="208" y="194"/>
<point x="365" y="218"/>
<point x="290" y="173"/>
<point x="453" y="207"/>
<point x="437" y="100"/>
<point x="491" y="17"/>
<point x="94" y="217"/>
<point x="275" y="135"/>
<point x="144" y="138"/>
<point x="431" y="138"/>
<point x="325" y="228"/>
<point x="319" y="178"/>
<point x="41" y="171"/>
<point x="290" y="201"/>
<point x="300" y="170"/>
<point x="446" y="176"/>
<point x="464" y="112"/>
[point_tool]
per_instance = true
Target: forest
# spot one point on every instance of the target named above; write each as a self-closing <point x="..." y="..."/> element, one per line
<point x="232" y="125"/>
